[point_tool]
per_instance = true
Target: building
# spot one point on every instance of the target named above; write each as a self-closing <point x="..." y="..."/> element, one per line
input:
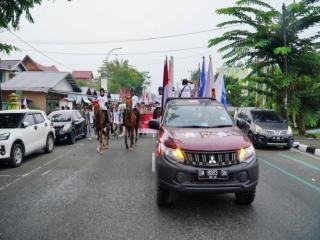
<point x="83" y="78"/>
<point x="10" y="68"/>
<point x="43" y="90"/>
<point x="33" y="66"/>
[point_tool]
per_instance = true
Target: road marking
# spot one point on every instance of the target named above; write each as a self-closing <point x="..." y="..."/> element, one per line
<point x="38" y="168"/>
<point x="5" y="175"/>
<point x="290" y="175"/>
<point x="46" y="172"/>
<point x="153" y="165"/>
<point x="307" y="154"/>
<point x="301" y="162"/>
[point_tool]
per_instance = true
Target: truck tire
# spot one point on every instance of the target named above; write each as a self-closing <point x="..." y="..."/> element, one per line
<point x="245" y="198"/>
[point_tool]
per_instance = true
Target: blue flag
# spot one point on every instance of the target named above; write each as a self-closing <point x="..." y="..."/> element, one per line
<point x="201" y="92"/>
<point x="223" y="93"/>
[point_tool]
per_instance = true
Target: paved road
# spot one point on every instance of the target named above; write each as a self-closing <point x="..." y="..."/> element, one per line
<point x="75" y="193"/>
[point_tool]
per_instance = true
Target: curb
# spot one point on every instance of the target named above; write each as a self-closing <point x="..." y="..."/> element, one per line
<point x="308" y="149"/>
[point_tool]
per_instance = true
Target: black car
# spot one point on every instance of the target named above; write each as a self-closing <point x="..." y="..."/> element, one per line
<point x="199" y="149"/>
<point x="264" y="127"/>
<point x="69" y="125"/>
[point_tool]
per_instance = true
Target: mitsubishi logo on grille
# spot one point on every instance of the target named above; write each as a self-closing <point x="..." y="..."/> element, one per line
<point x="212" y="161"/>
<point x="276" y="132"/>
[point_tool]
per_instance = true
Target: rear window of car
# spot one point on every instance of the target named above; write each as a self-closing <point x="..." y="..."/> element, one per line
<point x="10" y="120"/>
<point x="206" y="116"/>
<point x="39" y="118"/>
<point x="29" y="119"/>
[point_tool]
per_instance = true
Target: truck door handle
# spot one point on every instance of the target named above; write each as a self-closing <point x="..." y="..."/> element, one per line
<point x="35" y="127"/>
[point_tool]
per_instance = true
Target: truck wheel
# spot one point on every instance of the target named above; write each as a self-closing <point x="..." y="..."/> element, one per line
<point x="49" y="144"/>
<point x="16" y="156"/>
<point x="245" y="198"/>
<point x="163" y="197"/>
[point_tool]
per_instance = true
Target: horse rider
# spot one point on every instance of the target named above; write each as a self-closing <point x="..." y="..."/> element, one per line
<point x="103" y="103"/>
<point x="135" y="101"/>
<point x="186" y="90"/>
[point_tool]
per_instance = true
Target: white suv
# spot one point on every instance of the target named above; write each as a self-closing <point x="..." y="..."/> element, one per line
<point x="23" y="132"/>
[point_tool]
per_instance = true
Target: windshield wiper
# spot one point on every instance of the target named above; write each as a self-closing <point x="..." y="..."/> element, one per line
<point x="191" y="126"/>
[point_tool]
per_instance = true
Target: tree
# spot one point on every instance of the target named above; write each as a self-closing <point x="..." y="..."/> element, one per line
<point x="272" y="40"/>
<point x="11" y="11"/>
<point x="120" y="74"/>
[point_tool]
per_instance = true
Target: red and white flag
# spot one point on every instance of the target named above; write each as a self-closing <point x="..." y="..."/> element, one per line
<point x="171" y="76"/>
<point x="165" y="83"/>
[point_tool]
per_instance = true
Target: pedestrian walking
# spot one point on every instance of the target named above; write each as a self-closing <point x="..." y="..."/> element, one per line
<point x="116" y="121"/>
<point x="89" y="120"/>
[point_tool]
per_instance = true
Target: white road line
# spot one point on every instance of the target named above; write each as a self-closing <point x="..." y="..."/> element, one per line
<point x="46" y="172"/>
<point x="307" y="154"/>
<point x="153" y="165"/>
<point x="36" y="169"/>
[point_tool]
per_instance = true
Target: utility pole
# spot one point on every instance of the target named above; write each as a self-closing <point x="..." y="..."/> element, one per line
<point x="104" y="81"/>
<point x="285" y="57"/>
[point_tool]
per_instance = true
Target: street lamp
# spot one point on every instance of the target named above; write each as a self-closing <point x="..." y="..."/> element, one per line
<point x="104" y="81"/>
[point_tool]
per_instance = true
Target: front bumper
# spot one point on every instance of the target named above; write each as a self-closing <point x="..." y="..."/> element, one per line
<point x="274" y="140"/>
<point x="169" y="177"/>
<point x="62" y="136"/>
<point x="5" y="149"/>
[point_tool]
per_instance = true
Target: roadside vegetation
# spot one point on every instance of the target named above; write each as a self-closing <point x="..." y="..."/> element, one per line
<point x="281" y="47"/>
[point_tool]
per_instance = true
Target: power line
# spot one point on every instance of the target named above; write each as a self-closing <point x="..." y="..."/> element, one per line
<point x="35" y="49"/>
<point x="122" y="54"/>
<point x="130" y="40"/>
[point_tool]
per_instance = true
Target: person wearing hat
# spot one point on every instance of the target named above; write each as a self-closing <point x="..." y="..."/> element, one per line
<point x="186" y="90"/>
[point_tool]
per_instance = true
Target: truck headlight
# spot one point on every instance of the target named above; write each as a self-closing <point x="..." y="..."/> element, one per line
<point x="247" y="154"/>
<point x="260" y="130"/>
<point x="4" y="136"/>
<point x="174" y="155"/>
<point x="289" y="130"/>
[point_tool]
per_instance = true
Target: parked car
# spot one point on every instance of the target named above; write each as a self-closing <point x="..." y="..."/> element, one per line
<point x="199" y="149"/>
<point x="264" y="127"/>
<point x="69" y="125"/>
<point x="23" y="132"/>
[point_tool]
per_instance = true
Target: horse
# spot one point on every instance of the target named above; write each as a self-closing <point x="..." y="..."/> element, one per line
<point x="101" y="123"/>
<point x="130" y="120"/>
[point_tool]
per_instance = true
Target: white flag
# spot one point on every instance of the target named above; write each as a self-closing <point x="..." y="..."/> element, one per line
<point x="210" y="80"/>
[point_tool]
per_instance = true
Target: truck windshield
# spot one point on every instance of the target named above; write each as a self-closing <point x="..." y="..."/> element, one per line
<point x="10" y="120"/>
<point x="207" y="116"/>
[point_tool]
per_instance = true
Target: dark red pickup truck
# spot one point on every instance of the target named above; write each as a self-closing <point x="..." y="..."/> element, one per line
<point x="199" y="149"/>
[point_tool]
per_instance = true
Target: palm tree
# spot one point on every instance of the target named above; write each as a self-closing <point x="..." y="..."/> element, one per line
<point x="270" y="38"/>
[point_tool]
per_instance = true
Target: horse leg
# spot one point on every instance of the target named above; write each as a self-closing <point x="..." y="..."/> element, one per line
<point x="131" y="138"/>
<point x="126" y="137"/>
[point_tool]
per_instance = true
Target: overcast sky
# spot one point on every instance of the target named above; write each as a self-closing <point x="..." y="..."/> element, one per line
<point x="109" y="20"/>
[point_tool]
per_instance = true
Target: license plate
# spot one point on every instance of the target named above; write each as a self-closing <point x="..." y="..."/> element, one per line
<point x="212" y="174"/>
<point x="277" y="138"/>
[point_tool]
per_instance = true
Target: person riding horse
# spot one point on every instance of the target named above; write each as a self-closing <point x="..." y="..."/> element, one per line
<point x="135" y="101"/>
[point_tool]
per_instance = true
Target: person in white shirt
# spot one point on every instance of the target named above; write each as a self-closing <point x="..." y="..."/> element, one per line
<point x="135" y="99"/>
<point x="103" y="100"/>
<point x="103" y="103"/>
<point x="159" y="96"/>
<point x="186" y="90"/>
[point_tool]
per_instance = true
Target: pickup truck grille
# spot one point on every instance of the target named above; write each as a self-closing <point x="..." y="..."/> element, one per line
<point x="213" y="159"/>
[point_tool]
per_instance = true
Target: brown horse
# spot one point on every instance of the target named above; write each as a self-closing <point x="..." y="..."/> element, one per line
<point x="101" y="123"/>
<point x="130" y="122"/>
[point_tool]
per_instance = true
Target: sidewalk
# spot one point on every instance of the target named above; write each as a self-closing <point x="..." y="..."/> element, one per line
<point x="310" y="145"/>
